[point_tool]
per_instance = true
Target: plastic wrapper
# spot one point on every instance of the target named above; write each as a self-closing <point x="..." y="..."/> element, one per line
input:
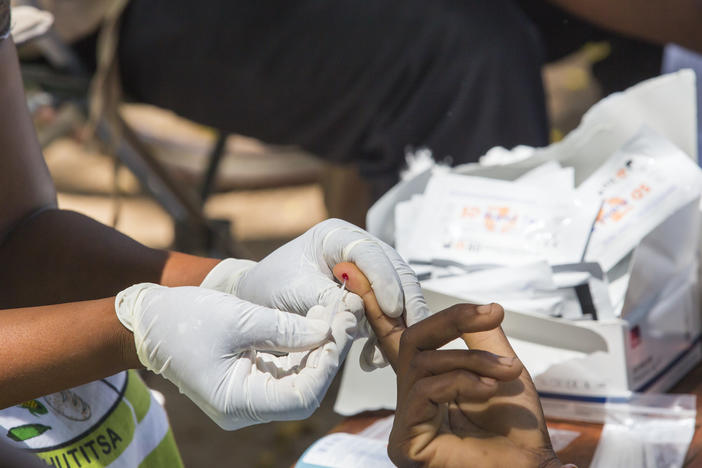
<point x="648" y="431"/>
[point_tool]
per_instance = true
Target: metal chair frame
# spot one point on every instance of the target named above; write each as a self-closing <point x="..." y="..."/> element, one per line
<point x="194" y="232"/>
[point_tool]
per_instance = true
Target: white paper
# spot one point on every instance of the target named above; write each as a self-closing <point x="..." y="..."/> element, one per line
<point x="380" y="429"/>
<point x="406" y="214"/>
<point x="550" y="174"/>
<point x="504" y="281"/>
<point x="380" y="220"/>
<point x="528" y="288"/>
<point x="499" y="155"/>
<point x="561" y="438"/>
<point x="342" y="450"/>
<point x="661" y="256"/>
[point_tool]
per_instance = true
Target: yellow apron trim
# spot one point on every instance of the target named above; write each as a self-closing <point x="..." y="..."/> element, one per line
<point x="101" y="447"/>
<point x="138" y="395"/>
<point x="166" y="455"/>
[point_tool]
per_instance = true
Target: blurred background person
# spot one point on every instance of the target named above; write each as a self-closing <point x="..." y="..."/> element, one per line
<point x="364" y="83"/>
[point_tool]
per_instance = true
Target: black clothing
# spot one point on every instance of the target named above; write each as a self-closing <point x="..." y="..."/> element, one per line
<point x="348" y="80"/>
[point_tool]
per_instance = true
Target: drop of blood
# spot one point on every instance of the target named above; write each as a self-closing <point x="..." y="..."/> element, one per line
<point x="345" y="276"/>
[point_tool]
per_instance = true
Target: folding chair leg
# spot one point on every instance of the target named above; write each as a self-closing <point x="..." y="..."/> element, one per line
<point x="194" y="232"/>
<point x="208" y="183"/>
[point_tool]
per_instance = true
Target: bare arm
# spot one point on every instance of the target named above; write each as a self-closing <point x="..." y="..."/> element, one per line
<point x="659" y="21"/>
<point x="25" y="184"/>
<point x="50" y="256"/>
<point x="60" y="256"/>
<point x="51" y="348"/>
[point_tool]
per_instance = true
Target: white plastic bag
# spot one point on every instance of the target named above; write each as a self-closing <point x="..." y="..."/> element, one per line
<point x="648" y="431"/>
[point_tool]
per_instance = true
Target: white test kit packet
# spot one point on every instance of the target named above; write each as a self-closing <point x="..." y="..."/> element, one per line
<point x="482" y="221"/>
<point x="640" y="186"/>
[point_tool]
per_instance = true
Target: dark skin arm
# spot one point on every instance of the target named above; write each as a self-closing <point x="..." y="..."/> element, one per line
<point x="659" y="21"/>
<point x="51" y="256"/>
<point x="49" y="348"/>
<point x="54" y="256"/>
<point x="60" y="256"/>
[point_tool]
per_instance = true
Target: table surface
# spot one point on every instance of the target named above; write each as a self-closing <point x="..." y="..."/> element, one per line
<point x="580" y="451"/>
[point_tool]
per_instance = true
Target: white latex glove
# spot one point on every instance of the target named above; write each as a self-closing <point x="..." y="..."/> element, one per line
<point x="298" y="276"/>
<point x="213" y="346"/>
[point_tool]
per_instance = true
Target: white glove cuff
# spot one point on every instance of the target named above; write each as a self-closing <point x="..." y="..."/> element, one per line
<point x="129" y="301"/>
<point x="225" y="276"/>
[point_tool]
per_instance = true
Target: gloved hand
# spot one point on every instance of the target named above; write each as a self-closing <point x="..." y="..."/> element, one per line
<point x="216" y="348"/>
<point x="298" y="276"/>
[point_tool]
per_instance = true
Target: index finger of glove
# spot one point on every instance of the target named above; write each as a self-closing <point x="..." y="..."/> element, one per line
<point x="343" y="244"/>
<point x="329" y="294"/>
<point x="297" y="395"/>
<point x="274" y="330"/>
<point x="415" y="306"/>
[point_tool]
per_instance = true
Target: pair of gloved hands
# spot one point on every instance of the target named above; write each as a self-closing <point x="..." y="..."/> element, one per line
<point x="224" y="343"/>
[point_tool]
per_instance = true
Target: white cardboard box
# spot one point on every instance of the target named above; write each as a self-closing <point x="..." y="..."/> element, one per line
<point x="576" y="365"/>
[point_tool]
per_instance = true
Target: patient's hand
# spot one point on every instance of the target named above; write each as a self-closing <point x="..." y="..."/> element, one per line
<point x="457" y="408"/>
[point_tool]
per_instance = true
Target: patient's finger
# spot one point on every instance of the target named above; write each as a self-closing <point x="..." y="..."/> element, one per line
<point x="482" y="363"/>
<point x="459" y="385"/>
<point x="387" y="329"/>
<point x="447" y="325"/>
<point x="493" y="340"/>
